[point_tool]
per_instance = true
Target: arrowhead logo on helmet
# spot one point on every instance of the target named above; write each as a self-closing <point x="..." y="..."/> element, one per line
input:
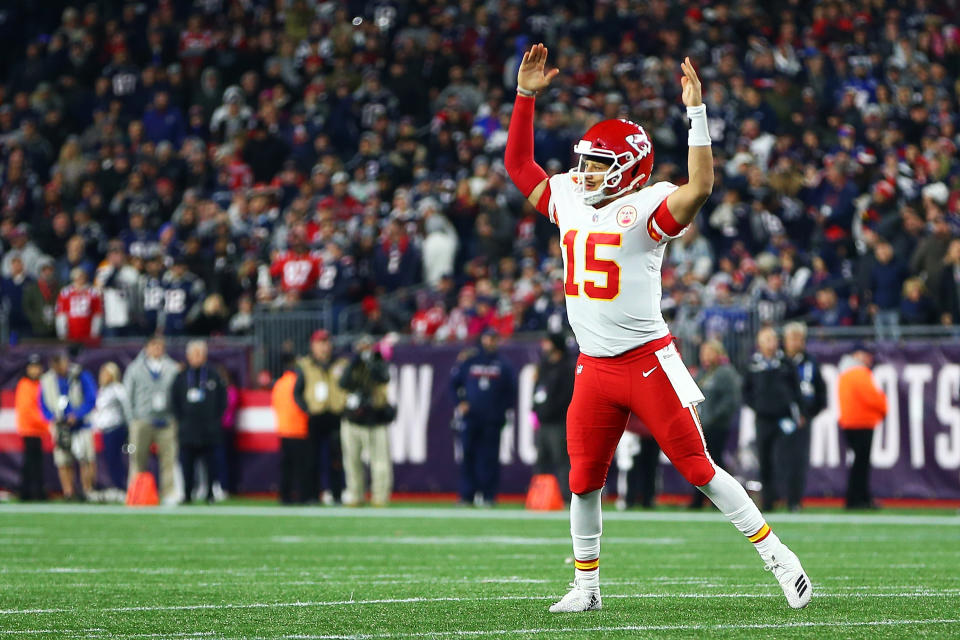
<point x="625" y="148"/>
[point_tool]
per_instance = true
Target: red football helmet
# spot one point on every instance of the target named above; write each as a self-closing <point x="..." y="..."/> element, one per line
<point x="622" y="144"/>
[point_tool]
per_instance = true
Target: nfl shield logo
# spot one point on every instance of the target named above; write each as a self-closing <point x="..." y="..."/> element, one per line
<point x="596" y="216"/>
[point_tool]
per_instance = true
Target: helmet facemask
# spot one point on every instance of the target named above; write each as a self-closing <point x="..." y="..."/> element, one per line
<point x="612" y="177"/>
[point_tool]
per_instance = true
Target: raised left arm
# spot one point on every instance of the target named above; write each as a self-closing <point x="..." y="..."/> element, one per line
<point x="685" y="202"/>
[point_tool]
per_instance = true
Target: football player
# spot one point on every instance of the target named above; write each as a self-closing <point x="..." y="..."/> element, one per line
<point x="614" y="229"/>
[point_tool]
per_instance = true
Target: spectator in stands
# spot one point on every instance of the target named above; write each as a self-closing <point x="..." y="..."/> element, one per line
<point x="927" y="260"/>
<point x="111" y="417"/>
<point x="396" y="261"/>
<point x="117" y="281"/>
<point x="721" y="386"/>
<point x="830" y="311"/>
<point x="183" y="295"/>
<point x="484" y="387"/>
<point x="67" y="396"/>
<point x="11" y="300"/>
<point x="40" y="300"/>
<point x="148" y="381"/>
<point x="198" y="400"/>
<point x="79" y="310"/>
<point x="75" y="258"/>
<point x="916" y="307"/>
<point x="551" y="397"/>
<point x="772" y="390"/>
<point x="439" y="244"/>
<point x="212" y="319"/>
<point x="949" y="298"/>
<point x="20" y="246"/>
<point x="318" y="389"/>
<point x="813" y="399"/>
<point x="163" y="122"/>
<point x="862" y="406"/>
<point x="292" y="426"/>
<point x="32" y="426"/>
<point x="298" y="268"/>
<point x="886" y="281"/>
<point x="366" y="416"/>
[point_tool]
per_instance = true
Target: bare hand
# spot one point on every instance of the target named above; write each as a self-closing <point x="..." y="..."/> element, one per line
<point x="691" y="93"/>
<point x="531" y="76"/>
<point x="463" y="407"/>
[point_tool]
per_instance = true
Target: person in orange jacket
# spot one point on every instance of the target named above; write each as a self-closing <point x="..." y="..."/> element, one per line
<point x="862" y="406"/>
<point x="292" y="421"/>
<point x="31" y="425"/>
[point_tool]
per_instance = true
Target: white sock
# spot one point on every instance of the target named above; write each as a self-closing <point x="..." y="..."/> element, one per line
<point x="731" y="498"/>
<point x="585" y="527"/>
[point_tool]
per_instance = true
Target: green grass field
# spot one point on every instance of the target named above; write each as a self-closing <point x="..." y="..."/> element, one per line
<point x="406" y="572"/>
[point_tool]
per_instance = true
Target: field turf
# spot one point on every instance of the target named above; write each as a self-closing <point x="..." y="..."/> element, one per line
<point x="412" y="572"/>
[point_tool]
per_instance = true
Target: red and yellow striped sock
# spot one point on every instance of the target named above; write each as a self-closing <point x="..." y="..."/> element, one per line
<point x="760" y="535"/>
<point x="765" y="541"/>
<point x="587" y="565"/>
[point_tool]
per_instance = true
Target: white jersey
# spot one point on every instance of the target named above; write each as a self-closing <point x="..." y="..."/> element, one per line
<point x="611" y="259"/>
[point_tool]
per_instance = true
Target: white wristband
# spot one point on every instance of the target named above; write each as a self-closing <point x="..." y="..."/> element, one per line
<point x="526" y="92"/>
<point x="699" y="135"/>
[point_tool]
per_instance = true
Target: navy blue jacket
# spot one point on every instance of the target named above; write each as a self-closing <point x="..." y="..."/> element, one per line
<point x="886" y="281"/>
<point x="488" y="383"/>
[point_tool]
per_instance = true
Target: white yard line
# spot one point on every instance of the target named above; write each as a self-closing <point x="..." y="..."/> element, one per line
<point x="601" y="629"/>
<point x="420" y="513"/>
<point x="917" y="593"/>
<point x="462" y="540"/>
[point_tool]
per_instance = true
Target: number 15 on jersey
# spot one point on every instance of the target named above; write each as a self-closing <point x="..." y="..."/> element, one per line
<point x="581" y="249"/>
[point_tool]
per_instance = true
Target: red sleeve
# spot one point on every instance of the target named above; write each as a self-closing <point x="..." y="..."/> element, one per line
<point x="62" y="302"/>
<point x="661" y="223"/>
<point x="277" y="267"/>
<point x="543" y="205"/>
<point x="518" y="156"/>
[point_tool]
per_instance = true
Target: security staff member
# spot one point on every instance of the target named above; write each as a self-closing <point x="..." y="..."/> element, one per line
<point x="292" y="420"/>
<point x="772" y="390"/>
<point x="862" y="407"/>
<point x="32" y="426"/>
<point x="551" y="397"/>
<point x="198" y="400"/>
<point x="813" y="400"/>
<point x="318" y="389"/>
<point x="484" y="386"/>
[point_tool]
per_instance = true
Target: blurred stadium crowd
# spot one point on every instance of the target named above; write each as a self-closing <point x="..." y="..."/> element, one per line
<point x="176" y="162"/>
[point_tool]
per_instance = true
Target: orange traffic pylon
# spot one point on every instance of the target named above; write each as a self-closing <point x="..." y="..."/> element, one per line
<point x="143" y="491"/>
<point x="544" y="493"/>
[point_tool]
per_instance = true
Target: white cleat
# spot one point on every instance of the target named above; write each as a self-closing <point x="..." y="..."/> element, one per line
<point x="578" y="599"/>
<point x="792" y="578"/>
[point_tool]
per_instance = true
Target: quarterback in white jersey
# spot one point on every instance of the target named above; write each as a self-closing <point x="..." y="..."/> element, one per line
<point x="609" y="251"/>
<point x="613" y="230"/>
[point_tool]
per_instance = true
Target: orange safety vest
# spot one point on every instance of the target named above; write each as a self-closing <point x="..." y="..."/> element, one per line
<point x="26" y="403"/>
<point x="291" y="419"/>
<point x="862" y="404"/>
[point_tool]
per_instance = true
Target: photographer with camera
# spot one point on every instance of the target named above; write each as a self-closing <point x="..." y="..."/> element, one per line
<point x="67" y="396"/>
<point x="367" y="416"/>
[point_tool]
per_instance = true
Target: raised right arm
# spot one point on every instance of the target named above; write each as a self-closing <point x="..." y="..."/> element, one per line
<point x="529" y="177"/>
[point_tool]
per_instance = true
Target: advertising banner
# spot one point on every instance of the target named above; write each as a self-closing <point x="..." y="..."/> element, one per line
<point x="916" y="450"/>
